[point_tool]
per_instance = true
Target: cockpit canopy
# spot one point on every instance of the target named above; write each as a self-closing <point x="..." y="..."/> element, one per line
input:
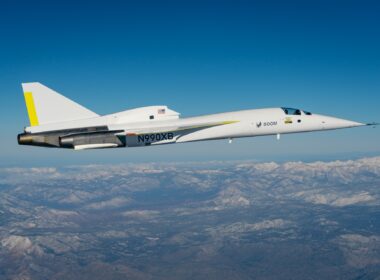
<point x="293" y="111"/>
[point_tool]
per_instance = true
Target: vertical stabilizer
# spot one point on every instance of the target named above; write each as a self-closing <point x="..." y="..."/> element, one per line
<point x="46" y="106"/>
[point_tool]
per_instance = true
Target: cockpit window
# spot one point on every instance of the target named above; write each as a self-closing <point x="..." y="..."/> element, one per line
<point x="291" y="111"/>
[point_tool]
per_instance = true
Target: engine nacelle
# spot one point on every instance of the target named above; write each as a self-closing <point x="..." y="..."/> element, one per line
<point x="92" y="140"/>
<point x="48" y="140"/>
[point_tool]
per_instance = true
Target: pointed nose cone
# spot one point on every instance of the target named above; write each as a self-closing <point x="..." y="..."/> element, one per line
<point x="336" y="123"/>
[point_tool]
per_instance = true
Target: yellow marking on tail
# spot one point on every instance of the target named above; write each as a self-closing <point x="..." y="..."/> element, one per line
<point x="31" y="108"/>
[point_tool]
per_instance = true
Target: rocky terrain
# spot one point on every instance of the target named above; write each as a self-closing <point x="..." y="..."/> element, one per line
<point x="217" y="220"/>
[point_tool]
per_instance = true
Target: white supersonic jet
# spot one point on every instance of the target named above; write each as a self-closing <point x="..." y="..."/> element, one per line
<point x="56" y="121"/>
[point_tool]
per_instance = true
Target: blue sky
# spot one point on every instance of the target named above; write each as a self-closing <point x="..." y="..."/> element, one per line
<point x="197" y="57"/>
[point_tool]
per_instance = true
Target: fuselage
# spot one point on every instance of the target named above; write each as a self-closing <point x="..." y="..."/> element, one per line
<point x="247" y="123"/>
<point x="120" y="130"/>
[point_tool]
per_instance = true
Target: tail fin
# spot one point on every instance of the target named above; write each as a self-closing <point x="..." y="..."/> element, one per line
<point x="47" y="106"/>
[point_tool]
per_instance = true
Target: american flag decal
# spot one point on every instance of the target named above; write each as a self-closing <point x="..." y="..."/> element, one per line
<point x="161" y="111"/>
